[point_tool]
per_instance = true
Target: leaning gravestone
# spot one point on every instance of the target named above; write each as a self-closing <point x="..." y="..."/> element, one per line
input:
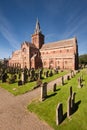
<point x="59" y="113"/>
<point x="43" y="91"/>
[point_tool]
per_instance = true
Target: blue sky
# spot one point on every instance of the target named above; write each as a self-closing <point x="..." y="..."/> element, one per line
<point x="59" y="19"/>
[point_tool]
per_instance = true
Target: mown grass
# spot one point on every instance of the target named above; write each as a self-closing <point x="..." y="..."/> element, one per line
<point x="17" y="90"/>
<point x="46" y="110"/>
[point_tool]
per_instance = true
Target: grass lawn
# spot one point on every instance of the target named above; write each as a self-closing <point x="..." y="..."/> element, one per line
<point x="16" y="90"/>
<point x="46" y="110"/>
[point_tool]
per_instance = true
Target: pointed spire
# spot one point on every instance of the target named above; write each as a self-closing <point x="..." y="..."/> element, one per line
<point x="37" y="28"/>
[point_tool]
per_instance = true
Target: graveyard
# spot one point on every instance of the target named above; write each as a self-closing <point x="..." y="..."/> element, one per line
<point x="64" y="107"/>
<point x="20" y="82"/>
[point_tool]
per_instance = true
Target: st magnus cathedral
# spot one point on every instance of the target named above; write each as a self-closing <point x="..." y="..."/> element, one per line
<point x="36" y="54"/>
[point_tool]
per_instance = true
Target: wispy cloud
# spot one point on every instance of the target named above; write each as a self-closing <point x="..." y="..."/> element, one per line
<point x="76" y="24"/>
<point x="7" y="32"/>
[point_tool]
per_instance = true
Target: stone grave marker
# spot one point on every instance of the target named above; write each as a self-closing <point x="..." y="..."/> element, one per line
<point x="59" y="113"/>
<point x="22" y="76"/>
<point x="73" y="100"/>
<point x="43" y="91"/>
<point x="69" y="109"/>
<point x="68" y="77"/>
<point x="54" y="87"/>
<point x="62" y="80"/>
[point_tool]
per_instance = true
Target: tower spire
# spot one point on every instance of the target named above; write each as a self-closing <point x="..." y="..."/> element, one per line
<point x="37" y="28"/>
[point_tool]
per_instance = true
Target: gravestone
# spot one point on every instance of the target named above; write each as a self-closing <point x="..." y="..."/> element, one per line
<point x="68" y="77"/>
<point x="4" y="77"/>
<point x="69" y="109"/>
<point x="22" y="77"/>
<point x="43" y="91"/>
<point x="47" y="72"/>
<point x="73" y="100"/>
<point x="62" y="80"/>
<point x="59" y="113"/>
<point x="40" y="74"/>
<point x="54" y="87"/>
<point x="19" y="82"/>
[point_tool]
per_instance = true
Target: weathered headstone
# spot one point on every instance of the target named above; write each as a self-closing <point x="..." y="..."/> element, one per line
<point x="62" y="80"/>
<point x="43" y="91"/>
<point x="4" y="77"/>
<point x="19" y="82"/>
<point x="47" y="72"/>
<point x="54" y="87"/>
<point x="40" y="74"/>
<point x="59" y="113"/>
<point x="22" y="76"/>
<point x="73" y="100"/>
<point x="68" y="77"/>
<point x="69" y="109"/>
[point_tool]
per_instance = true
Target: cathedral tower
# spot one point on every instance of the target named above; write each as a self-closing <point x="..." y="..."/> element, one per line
<point x="38" y="37"/>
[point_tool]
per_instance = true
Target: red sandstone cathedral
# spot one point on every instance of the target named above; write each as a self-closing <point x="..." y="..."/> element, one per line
<point x="61" y="54"/>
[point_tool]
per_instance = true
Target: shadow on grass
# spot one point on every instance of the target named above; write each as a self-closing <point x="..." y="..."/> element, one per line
<point x="48" y="96"/>
<point x="64" y="83"/>
<point x="74" y="109"/>
<point x="76" y="106"/>
<point x="57" y="89"/>
<point x="64" y="116"/>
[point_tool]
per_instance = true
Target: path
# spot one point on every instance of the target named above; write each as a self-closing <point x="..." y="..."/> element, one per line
<point x="14" y="114"/>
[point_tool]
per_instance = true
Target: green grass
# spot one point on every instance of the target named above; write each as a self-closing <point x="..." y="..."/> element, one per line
<point x="49" y="79"/>
<point x="18" y="89"/>
<point x="28" y="86"/>
<point x="46" y="110"/>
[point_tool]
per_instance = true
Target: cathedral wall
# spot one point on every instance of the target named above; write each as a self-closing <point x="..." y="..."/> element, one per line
<point x="63" y="58"/>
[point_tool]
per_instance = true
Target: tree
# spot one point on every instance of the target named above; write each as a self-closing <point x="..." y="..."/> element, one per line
<point x="83" y="59"/>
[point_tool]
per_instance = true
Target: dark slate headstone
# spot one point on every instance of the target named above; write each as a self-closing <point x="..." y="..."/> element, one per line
<point x="59" y="113"/>
<point x="62" y="80"/>
<point x="68" y="77"/>
<point x="54" y="87"/>
<point x="43" y="91"/>
<point x="19" y="82"/>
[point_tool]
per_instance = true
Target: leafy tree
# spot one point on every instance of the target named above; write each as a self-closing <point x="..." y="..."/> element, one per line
<point x="83" y="59"/>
